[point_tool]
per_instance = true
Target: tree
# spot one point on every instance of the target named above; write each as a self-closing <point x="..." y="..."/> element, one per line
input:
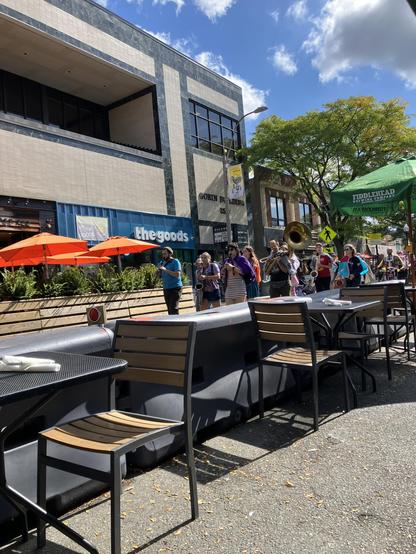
<point x="323" y="149"/>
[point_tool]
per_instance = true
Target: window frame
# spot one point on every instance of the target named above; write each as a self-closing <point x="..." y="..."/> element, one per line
<point x="213" y="117"/>
<point x="305" y="220"/>
<point x="276" y="195"/>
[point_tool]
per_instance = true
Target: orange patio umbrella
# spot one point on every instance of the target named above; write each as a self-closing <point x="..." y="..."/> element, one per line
<point x="76" y="258"/>
<point x="18" y="263"/>
<point x="115" y="246"/>
<point x="41" y="246"/>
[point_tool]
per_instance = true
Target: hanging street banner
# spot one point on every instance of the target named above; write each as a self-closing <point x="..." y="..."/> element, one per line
<point x="327" y="234"/>
<point x="235" y="182"/>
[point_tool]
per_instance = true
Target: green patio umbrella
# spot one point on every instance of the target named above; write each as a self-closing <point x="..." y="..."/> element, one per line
<point x="381" y="192"/>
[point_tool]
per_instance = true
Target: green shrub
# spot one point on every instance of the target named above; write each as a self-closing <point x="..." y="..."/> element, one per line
<point x="70" y="282"/>
<point x="18" y="284"/>
<point x="52" y="288"/>
<point x="130" y="279"/>
<point x="149" y="276"/>
<point x="105" y="279"/>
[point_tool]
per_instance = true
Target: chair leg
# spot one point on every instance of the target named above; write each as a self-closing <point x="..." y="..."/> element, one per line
<point x="190" y="460"/>
<point x="345" y="378"/>
<point x="41" y="491"/>
<point x="387" y="347"/>
<point x="115" y="503"/>
<point x="261" y="391"/>
<point x="315" y="398"/>
<point x="362" y="357"/>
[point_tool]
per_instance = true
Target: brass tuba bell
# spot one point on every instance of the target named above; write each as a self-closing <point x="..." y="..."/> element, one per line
<point x="297" y="235"/>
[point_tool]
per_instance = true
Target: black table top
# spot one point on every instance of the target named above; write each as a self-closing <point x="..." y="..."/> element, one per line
<point x="317" y="306"/>
<point x="75" y="369"/>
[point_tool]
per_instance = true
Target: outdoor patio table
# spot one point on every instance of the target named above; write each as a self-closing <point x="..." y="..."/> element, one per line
<point x="75" y="369"/>
<point x="343" y="313"/>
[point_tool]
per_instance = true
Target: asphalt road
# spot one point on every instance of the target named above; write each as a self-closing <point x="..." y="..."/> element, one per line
<point x="272" y="486"/>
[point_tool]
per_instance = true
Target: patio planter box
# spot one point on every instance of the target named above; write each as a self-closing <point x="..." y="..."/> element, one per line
<point x="23" y="316"/>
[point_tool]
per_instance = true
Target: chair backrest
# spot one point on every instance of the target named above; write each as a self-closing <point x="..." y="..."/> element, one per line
<point x="280" y="322"/>
<point x="395" y="295"/>
<point x="159" y="352"/>
<point x="367" y="292"/>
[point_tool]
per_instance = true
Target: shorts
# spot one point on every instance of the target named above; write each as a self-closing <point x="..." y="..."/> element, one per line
<point x="211" y="295"/>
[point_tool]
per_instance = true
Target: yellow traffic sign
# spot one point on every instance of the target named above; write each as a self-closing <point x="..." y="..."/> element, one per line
<point x="327" y="234"/>
<point x="329" y="249"/>
<point x="374" y="236"/>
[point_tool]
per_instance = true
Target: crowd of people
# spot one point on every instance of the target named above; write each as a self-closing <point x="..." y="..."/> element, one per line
<point x="242" y="275"/>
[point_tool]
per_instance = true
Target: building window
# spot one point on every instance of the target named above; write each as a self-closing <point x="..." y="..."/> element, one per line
<point x="211" y="131"/>
<point x="276" y="210"/>
<point x="31" y="100"/>
<point x="305" y="213"/>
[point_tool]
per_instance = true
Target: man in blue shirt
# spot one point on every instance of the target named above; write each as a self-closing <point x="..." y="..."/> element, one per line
<point x="170" y="270"/>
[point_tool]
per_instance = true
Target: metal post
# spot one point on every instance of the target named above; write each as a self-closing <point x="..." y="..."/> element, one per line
<point x="226" y="201"/>
<point x="411" y="256"/>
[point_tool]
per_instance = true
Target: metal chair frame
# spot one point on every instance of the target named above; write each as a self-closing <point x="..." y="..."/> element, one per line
<point x="275" y="313"/>
<point x="113" y="477"/>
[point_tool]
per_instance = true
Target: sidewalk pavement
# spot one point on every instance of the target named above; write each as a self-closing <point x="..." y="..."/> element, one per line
<point x="272" y="486"/>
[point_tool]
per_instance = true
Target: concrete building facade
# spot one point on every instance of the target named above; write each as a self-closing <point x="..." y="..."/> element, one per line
<point x="100" y="120"/>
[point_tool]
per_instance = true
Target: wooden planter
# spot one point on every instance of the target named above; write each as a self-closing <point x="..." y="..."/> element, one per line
<point x="23" y="316"/>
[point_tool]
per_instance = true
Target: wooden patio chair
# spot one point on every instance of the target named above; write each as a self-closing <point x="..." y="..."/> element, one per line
<point x="290" y="323"/>
<point x="158" y="352"/>
<point x="397" y="314"/>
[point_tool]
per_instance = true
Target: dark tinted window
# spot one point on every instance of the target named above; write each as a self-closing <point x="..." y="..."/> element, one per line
<point x="200" y="110"/>
<point x="33" y="100"/>
<point x="1" y="92"/>
<point x="86" y="121"/>
<point x="212" y="131"/>
<point x="71" y="116"/>
<point x="203" y="131"/>
<point x="100" y="125"/>
<point x="14" y="94"/>
<point x="215" y="133"/>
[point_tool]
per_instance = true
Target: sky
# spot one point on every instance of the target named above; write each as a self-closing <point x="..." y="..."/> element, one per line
<point x="291" y="55"/>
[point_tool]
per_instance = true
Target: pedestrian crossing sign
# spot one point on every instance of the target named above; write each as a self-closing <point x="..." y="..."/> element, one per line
<point x="329" y="249"/>
<point x="327" y="234"/>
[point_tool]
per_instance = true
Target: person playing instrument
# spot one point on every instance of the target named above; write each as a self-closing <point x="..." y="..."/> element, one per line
<point x="268" y="260"/>
<point x="235" y="271"/>
<point x="209" y="278"/>
<point x="390" y="264"/>
<point x="279" y="275"/>
<point x="323" y="264"/>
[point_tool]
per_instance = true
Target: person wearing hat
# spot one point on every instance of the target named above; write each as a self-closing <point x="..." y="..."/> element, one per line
<point x="170" y="271"/>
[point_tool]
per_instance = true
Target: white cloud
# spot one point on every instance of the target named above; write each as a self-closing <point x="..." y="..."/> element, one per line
<point x="184" y="45"/>
<point x="283" y="60"/>
<point x="179" y="3"/>
<point x="214" y="8"/>
<point x="252" y="96"/>
<point x="275" y="15"/>
<point x="298" y="10"/>
<point x="359" y="33"/>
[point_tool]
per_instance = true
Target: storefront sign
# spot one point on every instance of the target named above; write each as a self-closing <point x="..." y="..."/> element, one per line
<point x="160" y="236"/>
<point x="91" y="228"/>
<point x="240" y="234"/>
<point x="220" y="233"/>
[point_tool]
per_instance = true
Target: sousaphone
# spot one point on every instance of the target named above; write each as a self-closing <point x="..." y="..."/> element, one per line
<point x="297" y="235"/>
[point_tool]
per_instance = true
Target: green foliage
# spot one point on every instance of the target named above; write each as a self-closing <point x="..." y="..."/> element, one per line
<point x="130" y="279"/>
<point x="69" y="282"/>
<point x="323" y="149"/>
<point x="52" y="288"/>
<point x="105" y="279"/>
<point x="150" y="276"/>
<point x="18" y="284"/>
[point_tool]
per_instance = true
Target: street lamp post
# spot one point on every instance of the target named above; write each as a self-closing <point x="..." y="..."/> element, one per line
<point x="225" y="165"/>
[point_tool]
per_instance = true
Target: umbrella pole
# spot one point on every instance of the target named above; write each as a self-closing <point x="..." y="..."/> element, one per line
<point x="119" y="262"/>
<point x="411" y="256"/>
<point x="45" y="262"/>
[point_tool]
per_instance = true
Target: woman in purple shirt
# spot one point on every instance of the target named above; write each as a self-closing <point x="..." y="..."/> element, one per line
<point x="236" y="271"/>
